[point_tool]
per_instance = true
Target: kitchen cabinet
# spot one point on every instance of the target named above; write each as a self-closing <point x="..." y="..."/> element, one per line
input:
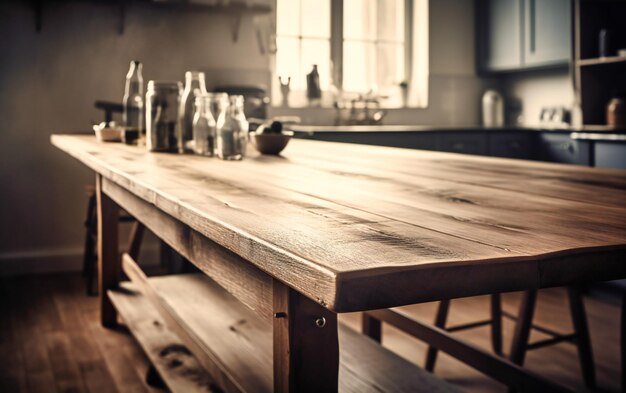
<point x="523" y="34"/>
<point x="610" y="154"/>
<point x="462" y="142"/>
<point x="511" y="144"/>
<point x="409" y="140"/>
<point x="500" y="34"/>
<point x="547" y="32"/>
<point x="597" y="77"/>
<point x="560" y="147"/>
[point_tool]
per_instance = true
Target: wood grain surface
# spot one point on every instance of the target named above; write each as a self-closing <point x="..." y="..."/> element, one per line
<point x="362" y="227"/>
<point x="239" y="345"/>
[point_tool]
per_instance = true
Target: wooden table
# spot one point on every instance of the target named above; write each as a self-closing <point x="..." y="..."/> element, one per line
<point x="328" y="228"/>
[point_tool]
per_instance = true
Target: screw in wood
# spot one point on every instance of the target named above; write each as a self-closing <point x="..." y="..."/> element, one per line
<point x="320" y="322"/>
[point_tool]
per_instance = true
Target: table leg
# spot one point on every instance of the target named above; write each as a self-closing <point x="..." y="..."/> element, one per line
<point x="306" y="346"/>
<point x="108" y="253"/>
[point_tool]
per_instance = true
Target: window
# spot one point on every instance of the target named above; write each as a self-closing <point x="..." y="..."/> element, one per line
<point x="359" y="46"/>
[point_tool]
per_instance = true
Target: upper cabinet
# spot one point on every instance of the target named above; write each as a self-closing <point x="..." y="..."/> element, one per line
<point x="515" y="35"/>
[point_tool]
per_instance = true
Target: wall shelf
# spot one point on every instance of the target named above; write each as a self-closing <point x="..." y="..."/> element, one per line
<point x="235" y="9"/>
<point x="601" y="60"/>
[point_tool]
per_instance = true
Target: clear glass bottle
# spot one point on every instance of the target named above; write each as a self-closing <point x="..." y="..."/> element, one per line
<point x="132" y="116"/>
<point x="204" y="132"/>
<point x="194" y="85"/>
<point x="232" y="129"/>
<point x="162" y="101"/>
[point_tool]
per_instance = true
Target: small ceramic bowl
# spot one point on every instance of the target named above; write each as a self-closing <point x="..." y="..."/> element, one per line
<point x="108" y="134"/>
<point x="270" y="143"/>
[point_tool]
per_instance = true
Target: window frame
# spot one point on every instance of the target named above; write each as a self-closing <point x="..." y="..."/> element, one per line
<point x="337" y="39"/>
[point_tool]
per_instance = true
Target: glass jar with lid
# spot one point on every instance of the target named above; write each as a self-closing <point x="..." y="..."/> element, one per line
<point x="162" y="101"/>
<point x="204" y="132"/>
<point x="232" y="128"/>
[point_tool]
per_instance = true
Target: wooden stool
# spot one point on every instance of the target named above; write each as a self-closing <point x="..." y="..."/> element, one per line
<point x="520" y="345"/>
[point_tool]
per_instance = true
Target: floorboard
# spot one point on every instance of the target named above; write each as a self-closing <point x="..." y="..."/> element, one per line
<point x="51" y="341"/>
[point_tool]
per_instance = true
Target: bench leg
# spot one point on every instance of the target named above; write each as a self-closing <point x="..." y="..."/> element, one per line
<point x="522" y="327"/>
<point x="496" y="323"/>
<point x="371" y="327"/>
<point x="440" y="322"/>
<point x="306" y="346"/>
<point x="108" y="253"/>
<point x="581" y="331"/>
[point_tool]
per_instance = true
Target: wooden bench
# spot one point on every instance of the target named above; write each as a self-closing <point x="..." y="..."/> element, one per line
<point x="174" y="316"/>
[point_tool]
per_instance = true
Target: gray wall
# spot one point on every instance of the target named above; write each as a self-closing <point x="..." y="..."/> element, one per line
<point x="49" y="82"/>
<point x="537" y="89"/>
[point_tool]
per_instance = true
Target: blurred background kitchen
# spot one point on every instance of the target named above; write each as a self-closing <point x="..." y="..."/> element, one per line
<point x="548" y="75"/>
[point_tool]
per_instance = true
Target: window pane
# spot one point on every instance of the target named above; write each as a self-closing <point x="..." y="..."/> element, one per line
<point x="288" y="17"/>
<point x="359" y="66"/>
<point x="359" y="19"/>
<point x="288" y="60"/>
<point x="315" y="18"/>
<point x="391" y="20"/>
<point x="390" y="67"/>
<point x="316" y="52"/>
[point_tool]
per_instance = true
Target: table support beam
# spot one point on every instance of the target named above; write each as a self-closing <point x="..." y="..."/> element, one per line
<point x="306" y="346"/>
<point x="108" y="253"/>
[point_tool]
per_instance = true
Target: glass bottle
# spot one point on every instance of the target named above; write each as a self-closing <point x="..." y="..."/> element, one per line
<point x="194" y="85"/>
<point x="232" y="129"/>
<point x="132" y="102"/>
<point x="162" y="101"/>
<point x="204" y="133"/>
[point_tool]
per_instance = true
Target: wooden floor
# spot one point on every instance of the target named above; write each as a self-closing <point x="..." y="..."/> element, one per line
<point x="51" y="341"/>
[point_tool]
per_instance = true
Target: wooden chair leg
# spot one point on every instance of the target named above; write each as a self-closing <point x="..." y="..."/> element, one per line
<point x="496" y="324"/>
<point x="371" y="327"/>
<point x="581" y="331"/>
<point x="440" y="322"/>
<point x="522" y="327"/>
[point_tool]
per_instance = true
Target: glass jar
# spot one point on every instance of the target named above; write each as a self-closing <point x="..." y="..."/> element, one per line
<point x="162" y="101"/>
<point x="194" y="85"/>
<point x="232" y="129"/>
<point x="204" y="133"/>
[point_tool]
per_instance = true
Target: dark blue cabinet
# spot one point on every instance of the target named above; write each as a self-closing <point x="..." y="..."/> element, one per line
<point x="560" y="147"/>
<point x="610" y="154"/>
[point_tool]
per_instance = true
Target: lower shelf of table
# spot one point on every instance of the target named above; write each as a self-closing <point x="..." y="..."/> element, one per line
<point x="234" y="346"/>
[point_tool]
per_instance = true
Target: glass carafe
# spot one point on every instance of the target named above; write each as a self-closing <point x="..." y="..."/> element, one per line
<point x="132" y="102"/>
<point x="162" y="101"/>
<point x="204" y="132"/>
<point x="194" y="85"/>
<point x="232" y="129"/>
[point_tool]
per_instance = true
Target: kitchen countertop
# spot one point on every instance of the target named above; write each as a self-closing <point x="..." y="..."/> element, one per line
<point x="310" y="129"/>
